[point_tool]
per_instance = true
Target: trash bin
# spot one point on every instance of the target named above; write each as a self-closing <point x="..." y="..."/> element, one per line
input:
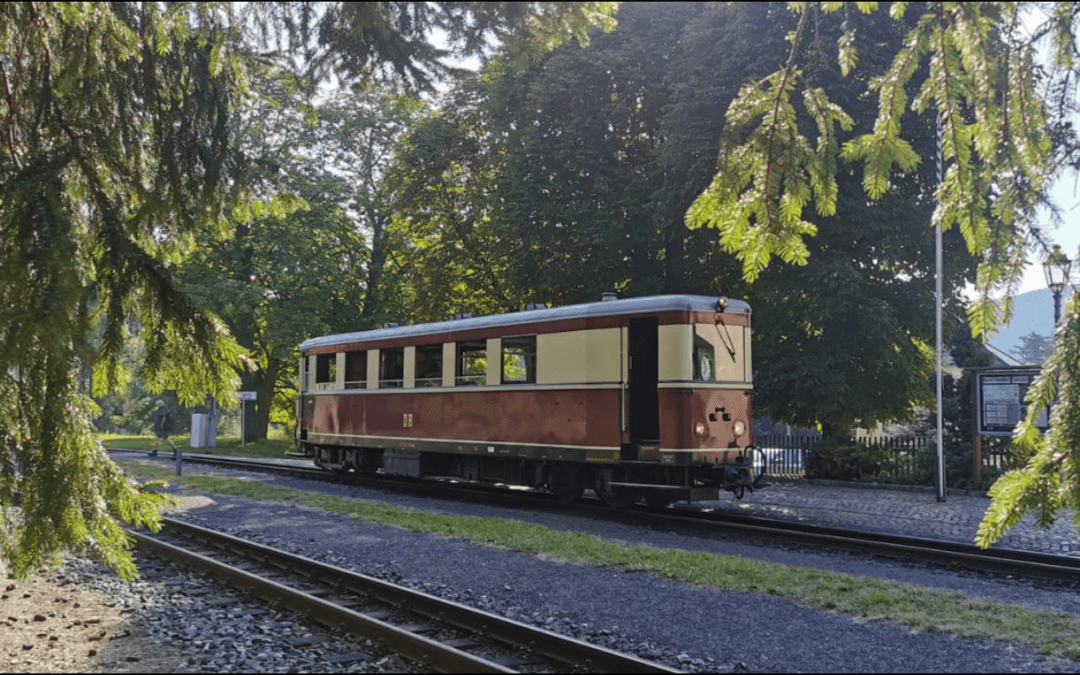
<point x="198" y="430"/>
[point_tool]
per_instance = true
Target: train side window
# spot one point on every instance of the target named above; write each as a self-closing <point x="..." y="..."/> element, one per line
<point x="355" y="370"/>
<point x="519" y="360"/>
<point x="391" y="368"/>
<point x="471" y="363"/>
<point x="325" y="371"/>
<point x="429" y="365"/>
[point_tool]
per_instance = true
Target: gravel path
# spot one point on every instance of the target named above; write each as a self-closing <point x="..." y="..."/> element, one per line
<point x="694" y="628"/>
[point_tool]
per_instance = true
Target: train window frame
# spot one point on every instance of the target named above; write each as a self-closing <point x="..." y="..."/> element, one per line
<point x="703" y="357"/>
<point x="521" y="350"/>
<point x="429" y="365"/>
<point x="705" y="364"/>
<point x="356" y="363"/>
<point x="392" y="368"/>
<point x="325" y="370"/>
<point x="470" y="363"/>
<point x="307" y="376"/>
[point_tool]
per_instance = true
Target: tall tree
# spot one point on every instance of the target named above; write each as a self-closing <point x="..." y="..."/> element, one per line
<point x="1006" y="134"/>
<point x="358" y="134"/>
<point x="280" y="280"/>
<point x="447" y="170"/>
<point x="595" y="155"/>
<point x="116" y="157"/>
<point x="580" y="197"/>
<point x="843" y="341"/>
<point x="1033" y="348"/>
<point x="391" y="41"/>
<point x="321" y="269"/>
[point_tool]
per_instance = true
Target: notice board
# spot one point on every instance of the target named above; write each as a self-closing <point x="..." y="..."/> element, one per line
<point x="999" y="399"/>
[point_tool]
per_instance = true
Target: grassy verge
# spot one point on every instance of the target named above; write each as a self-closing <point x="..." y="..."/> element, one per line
<point x="270" y="448"/>
<point x="866" y="598"/>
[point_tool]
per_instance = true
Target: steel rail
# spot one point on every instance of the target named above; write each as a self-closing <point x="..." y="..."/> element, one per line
<point x="560" y="648"/>
<point x="1027" y="563"/>
<point x="997" y="560"/>
<point x="409" y="645"/>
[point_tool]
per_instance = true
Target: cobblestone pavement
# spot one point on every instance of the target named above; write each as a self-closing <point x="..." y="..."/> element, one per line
<point x="897" y="510"/>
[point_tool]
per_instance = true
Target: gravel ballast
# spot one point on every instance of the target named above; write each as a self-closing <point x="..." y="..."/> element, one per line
<point x="693" y="628"/>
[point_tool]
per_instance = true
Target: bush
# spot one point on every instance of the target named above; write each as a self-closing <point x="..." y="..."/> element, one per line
<point x="840" y="459"/>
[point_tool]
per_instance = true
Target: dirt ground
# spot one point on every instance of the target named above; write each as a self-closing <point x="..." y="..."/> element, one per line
<point x="49" y="628"/>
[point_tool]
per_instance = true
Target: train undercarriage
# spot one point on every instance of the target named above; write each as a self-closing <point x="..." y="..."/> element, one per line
<point x="618" y="485"/>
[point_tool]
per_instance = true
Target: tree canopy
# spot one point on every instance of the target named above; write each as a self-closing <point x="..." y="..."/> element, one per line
<point x="1005" y="136"/>
<point x="571" y="178"/>
<point x="118" y="156"/>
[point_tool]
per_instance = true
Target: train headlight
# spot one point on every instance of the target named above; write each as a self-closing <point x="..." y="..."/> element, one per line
<point x="739" y="428"/>
<point x="700" y="429"/>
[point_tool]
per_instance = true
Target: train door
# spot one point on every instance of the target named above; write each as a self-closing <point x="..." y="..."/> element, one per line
<point x="644" y="364"/>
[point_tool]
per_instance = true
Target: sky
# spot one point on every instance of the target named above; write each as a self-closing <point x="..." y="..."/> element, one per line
<point x="1066" y="193"/>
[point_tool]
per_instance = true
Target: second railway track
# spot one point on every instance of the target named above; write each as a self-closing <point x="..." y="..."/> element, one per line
<point x="434" y="633"/>
<point x="925" y="550"/>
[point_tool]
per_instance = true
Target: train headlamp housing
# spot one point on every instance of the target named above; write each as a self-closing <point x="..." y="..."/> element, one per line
<point x="739" y="428"/>
<point x="700" y="429"/>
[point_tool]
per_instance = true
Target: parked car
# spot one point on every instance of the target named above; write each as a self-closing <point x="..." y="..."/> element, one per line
<point x="779" y="461"/>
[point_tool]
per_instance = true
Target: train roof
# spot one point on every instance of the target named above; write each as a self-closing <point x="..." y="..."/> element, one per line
<point x="646" y="305"/>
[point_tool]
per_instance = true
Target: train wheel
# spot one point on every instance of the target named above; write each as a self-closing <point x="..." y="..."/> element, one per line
<point x="658" y="500"/>
<point x="616" y="499"/>
<point x="567" y="482"/>
<point x="369" y="462"/>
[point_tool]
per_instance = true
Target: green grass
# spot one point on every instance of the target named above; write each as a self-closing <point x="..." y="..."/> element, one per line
<point x="269" y="448"/>
<point x="867" y="599"/>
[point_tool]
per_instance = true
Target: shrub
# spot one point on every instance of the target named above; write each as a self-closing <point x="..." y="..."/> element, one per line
<point x="840" y="459"/>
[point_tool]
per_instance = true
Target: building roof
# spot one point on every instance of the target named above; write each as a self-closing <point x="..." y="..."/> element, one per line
<point x="1001" y="359"/>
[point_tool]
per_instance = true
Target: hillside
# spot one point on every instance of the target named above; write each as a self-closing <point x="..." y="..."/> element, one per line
<point x="1032" y="312"/>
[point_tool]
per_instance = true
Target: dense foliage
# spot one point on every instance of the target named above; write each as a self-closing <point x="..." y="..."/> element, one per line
<point x="118" y="157"/>
<point x="572" y="178"/>
<point x="1006" y="134"/>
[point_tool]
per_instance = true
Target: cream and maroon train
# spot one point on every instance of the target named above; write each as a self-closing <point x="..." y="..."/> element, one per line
<point x="642" y="397"/>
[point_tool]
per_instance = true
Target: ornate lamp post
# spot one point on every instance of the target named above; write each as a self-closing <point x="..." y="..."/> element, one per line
<point x="1056" y="267"/>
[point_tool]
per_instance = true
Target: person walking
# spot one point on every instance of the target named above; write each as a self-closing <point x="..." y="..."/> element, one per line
<point x="163" y="422"/>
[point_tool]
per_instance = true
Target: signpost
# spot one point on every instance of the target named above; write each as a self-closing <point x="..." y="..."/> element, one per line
<point x="244" y="397"/>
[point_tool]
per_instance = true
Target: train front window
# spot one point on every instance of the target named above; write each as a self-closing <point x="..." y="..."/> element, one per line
<point x="519" y="360"/>
<point x="391" y="368"/>
<point x="704" y="360"/>
<point x="355" y="370"/>
<point x="723" y="346"/>
<point x="471" y="364"/>
<point x="429" y="365"/>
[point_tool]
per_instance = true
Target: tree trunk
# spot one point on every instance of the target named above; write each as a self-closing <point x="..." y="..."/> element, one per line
<point x="838" y="428"/>
<point x="372" y="299"/>
<point x="265" y="389"/>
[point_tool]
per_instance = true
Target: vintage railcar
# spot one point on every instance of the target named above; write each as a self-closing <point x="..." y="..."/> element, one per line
<point x="634" y="398"/>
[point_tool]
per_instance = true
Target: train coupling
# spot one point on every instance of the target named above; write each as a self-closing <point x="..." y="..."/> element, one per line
<point x="737" y="479"/>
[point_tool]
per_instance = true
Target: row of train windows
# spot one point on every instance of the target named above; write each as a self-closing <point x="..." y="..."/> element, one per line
<point x="470" y="365"/>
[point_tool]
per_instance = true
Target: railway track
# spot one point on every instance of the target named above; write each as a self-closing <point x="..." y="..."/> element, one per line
<point x="945" y="553"/>
<point x="433" y="633"/>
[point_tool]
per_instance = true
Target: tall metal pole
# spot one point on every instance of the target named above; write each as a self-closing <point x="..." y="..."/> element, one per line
<point x="937" y="316"/>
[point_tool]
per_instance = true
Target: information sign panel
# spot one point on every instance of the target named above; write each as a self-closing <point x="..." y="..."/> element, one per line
<point x="999" y="403"/>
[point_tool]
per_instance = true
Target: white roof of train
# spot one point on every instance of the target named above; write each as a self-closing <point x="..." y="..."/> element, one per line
<point x="648" y="305"/>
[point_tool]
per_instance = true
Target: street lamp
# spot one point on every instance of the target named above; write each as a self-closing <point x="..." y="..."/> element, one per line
<point x="1056" y="267"/>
